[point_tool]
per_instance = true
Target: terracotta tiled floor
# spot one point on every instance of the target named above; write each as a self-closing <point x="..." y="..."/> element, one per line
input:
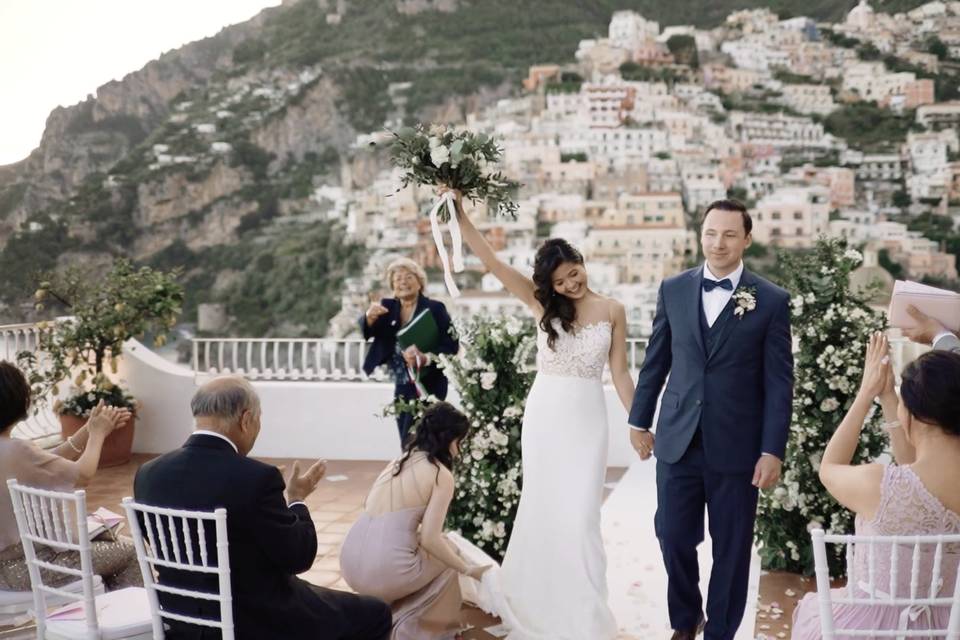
<point x="334" y="507"/>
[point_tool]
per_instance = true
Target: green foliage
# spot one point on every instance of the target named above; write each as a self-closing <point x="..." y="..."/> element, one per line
<point x="249" y="155"/>
<point x="684" y="50"/>
<point x="288" y="283"/>
<point x="461" y="160"/>
<point x="868" y="51"/>
<point x="363" y="97"/>
<point x="901" y="199"/>
<point x="105" y="312"/>
<point x="937" y="47"/>
<point x="29" y="253"/>
<point x="10" y="197"/>
<point x="493" y="377"/>
<point x="895" y="269"/>
<point x="579" y="156"/>
<point x="250" y="50"/>
<point x="833" y="323"/>
<point x="839" y="39"/>
<point x="632" y="71"/>
<point x="789" y="77"/>
<point x="868" y="127"/>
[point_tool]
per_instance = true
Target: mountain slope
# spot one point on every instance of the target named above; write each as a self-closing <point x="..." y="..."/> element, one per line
<point x="214" y="144"/>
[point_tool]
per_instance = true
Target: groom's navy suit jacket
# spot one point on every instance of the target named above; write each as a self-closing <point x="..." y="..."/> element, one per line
<point x="739" y="393"/>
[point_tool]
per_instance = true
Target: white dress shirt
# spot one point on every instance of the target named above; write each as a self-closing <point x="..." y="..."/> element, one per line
<point x="714" y="301"/>
<point x="205" y="432"/>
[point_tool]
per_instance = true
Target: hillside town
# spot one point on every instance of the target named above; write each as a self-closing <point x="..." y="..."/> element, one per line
<point x="822" y="129"/>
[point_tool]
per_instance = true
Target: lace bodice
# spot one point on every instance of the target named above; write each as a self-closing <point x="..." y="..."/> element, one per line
<point x="907" y="508"/>
<point x="580" y="354"/>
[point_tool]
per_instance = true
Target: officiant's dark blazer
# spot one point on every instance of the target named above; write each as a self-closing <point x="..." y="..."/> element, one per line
<point x="739" y="393"/>
<point x="384" y="334"/>
<point x="269" y="543"/>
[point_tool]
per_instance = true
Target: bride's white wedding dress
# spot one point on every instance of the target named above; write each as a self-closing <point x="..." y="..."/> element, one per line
<point x="552" y="585"/>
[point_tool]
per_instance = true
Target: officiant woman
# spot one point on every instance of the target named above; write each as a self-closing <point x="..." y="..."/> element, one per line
<point x="384" y="319"/>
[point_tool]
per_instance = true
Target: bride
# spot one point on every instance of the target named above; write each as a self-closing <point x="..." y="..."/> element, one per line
<point x="552" y="585"/>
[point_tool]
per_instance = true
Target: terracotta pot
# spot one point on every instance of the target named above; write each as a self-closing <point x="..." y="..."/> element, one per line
<point x="117" y="446"/>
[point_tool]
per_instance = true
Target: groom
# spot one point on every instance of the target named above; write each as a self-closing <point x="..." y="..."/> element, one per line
<point x="722" y="334"/>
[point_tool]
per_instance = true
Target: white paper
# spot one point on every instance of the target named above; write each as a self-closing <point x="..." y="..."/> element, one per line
<point x="336" y="478"/>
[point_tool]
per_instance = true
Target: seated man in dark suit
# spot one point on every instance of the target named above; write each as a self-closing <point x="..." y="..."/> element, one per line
<point x="271" y="538"/>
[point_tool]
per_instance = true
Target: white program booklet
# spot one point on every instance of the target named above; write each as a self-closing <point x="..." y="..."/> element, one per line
<point x="940" y="304"/>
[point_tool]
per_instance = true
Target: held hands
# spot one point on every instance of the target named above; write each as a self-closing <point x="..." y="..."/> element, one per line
<point x="877" y="370"/>
<point x="642" y="442"/>
<point x="105" y="419"/>
<point x="767" y="472"/>
<point x="926" y="328"/>
<point x="299" y="486"/>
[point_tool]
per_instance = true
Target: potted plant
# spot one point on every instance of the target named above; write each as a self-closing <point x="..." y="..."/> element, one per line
<point x="104" y="312"/>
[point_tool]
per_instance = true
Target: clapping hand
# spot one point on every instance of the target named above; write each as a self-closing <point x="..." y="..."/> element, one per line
<point x="877" y="371"/>
<point x="105" y="419"/>
<point x="299" y="486"/>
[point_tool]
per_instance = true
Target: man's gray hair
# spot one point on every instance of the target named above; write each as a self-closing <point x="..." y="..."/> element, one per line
<point x="226" y="397"/>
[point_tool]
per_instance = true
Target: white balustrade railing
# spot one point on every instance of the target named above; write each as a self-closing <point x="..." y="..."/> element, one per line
<point x="341" y="360"/>
<point x="316" y="359"/>
<point x="42" y="422"/>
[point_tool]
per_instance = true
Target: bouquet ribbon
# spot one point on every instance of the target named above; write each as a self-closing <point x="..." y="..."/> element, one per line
<point x="446" y="199"/>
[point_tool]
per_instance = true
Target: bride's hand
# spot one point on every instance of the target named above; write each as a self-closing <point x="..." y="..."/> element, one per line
<point x="476" y="571"/>
<point x="457" y="198"/>
<point x="876" y="365"/>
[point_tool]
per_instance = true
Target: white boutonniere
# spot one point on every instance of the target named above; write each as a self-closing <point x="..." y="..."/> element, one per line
<point x="745" y="299"/>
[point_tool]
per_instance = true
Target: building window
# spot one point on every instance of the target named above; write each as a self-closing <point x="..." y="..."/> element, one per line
<point x="775" y="232"/>
<point x="775" y="215"/>
<point x="797" y="215"/>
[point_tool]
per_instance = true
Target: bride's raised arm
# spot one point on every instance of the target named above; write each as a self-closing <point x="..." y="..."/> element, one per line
<point x="514" y="281"/>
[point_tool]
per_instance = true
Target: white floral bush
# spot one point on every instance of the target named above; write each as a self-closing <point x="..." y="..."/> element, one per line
<point x="832" y="324"/>
<point x="493" y="374"/>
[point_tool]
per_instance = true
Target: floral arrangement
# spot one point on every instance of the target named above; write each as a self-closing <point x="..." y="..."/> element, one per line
<point x="447" y="159"/>
<point x="493" y="375"/>
<point x="833" y="324"/>
<point x="81" y="403"/>
<point x="745" y="299"/>
<point x="442" y="157"/>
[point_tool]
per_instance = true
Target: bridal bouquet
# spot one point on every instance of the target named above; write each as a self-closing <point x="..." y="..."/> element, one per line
<point x="446" y="159"/>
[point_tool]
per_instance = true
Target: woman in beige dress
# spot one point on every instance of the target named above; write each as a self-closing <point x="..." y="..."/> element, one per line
<point x="397" y="550"/>
<point x="64" y="468"/>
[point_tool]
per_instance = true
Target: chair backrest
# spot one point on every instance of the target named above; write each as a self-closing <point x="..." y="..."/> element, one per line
<point x="888" y="562"/>
<point x="58" y="521"/>
<point x="177" y="539"/>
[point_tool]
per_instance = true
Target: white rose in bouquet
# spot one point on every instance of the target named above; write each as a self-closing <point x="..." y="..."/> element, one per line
<point x="487" y="380"/>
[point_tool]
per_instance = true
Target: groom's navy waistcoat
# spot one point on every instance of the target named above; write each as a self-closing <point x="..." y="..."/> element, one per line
<point x="733" y="381"/>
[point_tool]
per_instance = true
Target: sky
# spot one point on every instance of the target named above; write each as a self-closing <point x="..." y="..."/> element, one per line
<point x="55" y="52"/>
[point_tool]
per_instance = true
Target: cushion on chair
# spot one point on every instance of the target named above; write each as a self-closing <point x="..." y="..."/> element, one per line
<point x="20" y="601"/>
<point x="124" y="613"/>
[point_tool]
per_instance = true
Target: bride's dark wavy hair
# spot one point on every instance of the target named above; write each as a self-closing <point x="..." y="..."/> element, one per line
<point x="440" y="426"/>
<point x="551" y="255"/>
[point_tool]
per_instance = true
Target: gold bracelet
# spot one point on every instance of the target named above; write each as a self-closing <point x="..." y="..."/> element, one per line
<point x="893" y="424"/>
<point x="73" y="446"/>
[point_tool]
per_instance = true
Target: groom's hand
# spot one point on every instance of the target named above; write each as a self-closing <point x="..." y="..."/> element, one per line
<point x="767" y="472"/>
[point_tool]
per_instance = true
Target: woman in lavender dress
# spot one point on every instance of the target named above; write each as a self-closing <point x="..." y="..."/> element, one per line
<point x="397" y="551"/>
<point x="916" y="496"/>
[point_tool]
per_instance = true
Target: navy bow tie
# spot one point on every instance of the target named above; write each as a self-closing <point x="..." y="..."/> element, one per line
<point x="710" y="285"/>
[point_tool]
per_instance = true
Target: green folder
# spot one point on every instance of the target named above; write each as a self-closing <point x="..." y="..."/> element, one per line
<point x="422" y="331"/>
